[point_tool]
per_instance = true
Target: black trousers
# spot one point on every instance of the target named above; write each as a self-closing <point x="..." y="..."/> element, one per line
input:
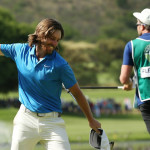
<point x="145" y="111"/>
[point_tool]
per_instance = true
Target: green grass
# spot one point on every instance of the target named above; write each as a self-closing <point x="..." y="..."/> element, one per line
<point x="7" y="114"/>
<point x="118" y="127"/>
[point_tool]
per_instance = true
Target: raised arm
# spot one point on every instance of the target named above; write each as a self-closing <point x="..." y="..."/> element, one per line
<point x="1" y="54"/>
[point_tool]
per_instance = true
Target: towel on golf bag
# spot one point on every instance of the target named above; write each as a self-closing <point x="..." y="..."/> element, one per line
<point x="99" y="141"/>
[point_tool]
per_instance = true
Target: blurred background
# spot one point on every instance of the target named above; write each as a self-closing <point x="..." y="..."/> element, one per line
<point x="96" y="32"/>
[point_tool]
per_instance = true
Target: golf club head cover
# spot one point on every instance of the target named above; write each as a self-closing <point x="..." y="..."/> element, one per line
<point x="99" y="141"/>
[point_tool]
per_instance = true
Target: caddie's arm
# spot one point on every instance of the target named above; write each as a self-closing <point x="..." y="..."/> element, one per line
<point x="125" y="77"/>
<point x="81" y="100"/>
<point x="1" y="54"/>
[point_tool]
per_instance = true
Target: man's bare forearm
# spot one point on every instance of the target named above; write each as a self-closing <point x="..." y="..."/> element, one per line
<point x="125" y="77"/>
<point x="81" y="100"/>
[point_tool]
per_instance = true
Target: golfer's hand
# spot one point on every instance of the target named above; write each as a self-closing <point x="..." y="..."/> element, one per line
<point x="94" y="124"/>
<point x="128" y="86"/>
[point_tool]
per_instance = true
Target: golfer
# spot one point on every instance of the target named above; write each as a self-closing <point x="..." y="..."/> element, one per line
<point x="41" y="72"/>
<point x="137" y="55"/>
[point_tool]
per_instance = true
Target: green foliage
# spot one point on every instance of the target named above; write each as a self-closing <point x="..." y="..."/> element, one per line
<point x="115" y="68"/>
<point x="109" y="53"/>
<point x="70" y="33"/>
<point x="123" y="28"/>
<point x="85" y="75"/>
<point x="7" y="27"/>
<point x="80" y="56"/>
<point x="108" y="25"/>
<point x="86" y="16"/>
<point x="123" y="4"/>
<point x="23" y="31"/>
<point x="11" y="32"/>
<point x="8" y="75"/>
<point x="112" y="49"/>
<point x="5" y="14"/>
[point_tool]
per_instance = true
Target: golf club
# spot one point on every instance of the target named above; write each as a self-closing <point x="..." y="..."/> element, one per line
<point x="109" y="87"/>
<point x="101" y="87"/>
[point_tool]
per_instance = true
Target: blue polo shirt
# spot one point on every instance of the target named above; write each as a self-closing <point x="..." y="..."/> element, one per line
<point x="127" y="59"/>
<point x="40" y="82"/>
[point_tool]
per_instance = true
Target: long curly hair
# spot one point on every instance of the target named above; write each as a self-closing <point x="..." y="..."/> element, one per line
<point x="44" y="30"/>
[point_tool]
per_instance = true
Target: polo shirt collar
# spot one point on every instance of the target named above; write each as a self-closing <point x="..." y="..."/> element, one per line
<point x="49" y="56"/>
<point x="145" y="36"/>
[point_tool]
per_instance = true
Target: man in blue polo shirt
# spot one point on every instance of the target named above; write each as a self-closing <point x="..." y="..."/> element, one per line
<point x="137" y="55"/>
<point x="41" y="72"/>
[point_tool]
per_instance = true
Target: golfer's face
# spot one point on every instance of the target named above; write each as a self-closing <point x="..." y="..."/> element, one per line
<point x="49" y="44"/>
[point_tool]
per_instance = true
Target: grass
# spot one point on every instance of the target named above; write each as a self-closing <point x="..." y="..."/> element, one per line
<point x="119" y="128"/>
<point x="7" y="114"/>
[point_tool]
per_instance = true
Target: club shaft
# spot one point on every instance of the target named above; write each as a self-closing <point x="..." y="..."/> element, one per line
<point x="68" y="92"/>
<point x="101" y="87"/>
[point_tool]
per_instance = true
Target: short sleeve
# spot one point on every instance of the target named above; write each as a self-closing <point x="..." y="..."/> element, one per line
<point x="67" y="76"/>
<point x="8" y="50"/>
<point x="127" y="56"/>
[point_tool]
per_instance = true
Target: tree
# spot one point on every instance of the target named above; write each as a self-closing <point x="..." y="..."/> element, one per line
<point x="11" y="32"/>
<point x="70" y="33"/>
<point x="109" y="56"/>
<point x="80" y="57"/>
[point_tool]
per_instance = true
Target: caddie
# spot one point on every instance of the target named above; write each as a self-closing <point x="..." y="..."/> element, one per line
<point x="137" y="56"/>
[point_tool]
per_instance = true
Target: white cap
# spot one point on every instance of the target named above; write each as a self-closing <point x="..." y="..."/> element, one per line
<point x="144" y="16"/>
<point x="99" y="141"/>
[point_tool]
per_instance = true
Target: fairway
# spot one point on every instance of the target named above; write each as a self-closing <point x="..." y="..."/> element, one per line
<point x="122" y="128"/>
<point x="119" y="128"/>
